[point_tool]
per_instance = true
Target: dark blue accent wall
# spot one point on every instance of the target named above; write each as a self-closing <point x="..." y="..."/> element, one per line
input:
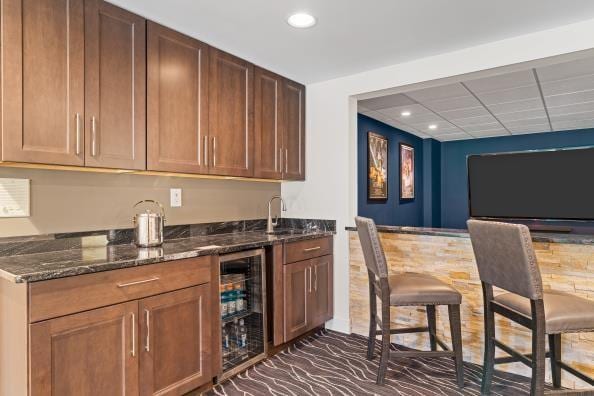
<point x="454" y="187"/>
<point x="392" y="211"/>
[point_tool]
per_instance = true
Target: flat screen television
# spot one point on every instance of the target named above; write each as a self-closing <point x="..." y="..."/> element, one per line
<point x="540" y="185"/>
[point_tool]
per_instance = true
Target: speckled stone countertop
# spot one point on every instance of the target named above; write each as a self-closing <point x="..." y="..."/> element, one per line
<point x="456" y="233"/>
<point x="66" y="256"/>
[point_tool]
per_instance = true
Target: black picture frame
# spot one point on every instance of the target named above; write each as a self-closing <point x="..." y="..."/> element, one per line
<point x="377" y="146"/>
<point x="406" y="163"/>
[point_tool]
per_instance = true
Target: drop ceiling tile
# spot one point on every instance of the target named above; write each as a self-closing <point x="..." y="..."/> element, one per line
<point x="461" y="102"/>
<point x="536" y="128"/>
<point x="472" y="129"/>
<point x="503" y="81"/>
<point x="454" y="136"/>
<point x="526" y="123"/>
<point x="570" y="125"/>
<point x="509" y="95"/>
<point x="587" y="115"/>
<point x="562" y="71"/>
<point x="383" y="102"/>
<point x="435" y="93"/>
<point x="522" y="115"/>
<point x="571" y="109"/>
<point x="568" y="99"/>
<point x="577" y="84"/>
<point x="512" y="107"/>
<point x="481" y="120"/>
<point x="416" y="110"/>
<point x="464" y="113"/>
<point x="493" y="133"/>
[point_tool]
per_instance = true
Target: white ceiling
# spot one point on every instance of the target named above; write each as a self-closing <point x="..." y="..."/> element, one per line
<point x="543" y="99"/>
<point x="354" y="35"/>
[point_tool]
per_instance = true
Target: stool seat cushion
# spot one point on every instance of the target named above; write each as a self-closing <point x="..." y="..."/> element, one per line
<point x="419" y="289"/>
<point x="564" y="313"/>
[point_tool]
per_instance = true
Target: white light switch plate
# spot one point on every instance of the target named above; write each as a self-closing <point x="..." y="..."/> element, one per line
<point x="176" y="197"/>
<point x="14" y="197"/>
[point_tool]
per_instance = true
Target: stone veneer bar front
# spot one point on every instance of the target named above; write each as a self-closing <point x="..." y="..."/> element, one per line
<point x="566" y="263"/>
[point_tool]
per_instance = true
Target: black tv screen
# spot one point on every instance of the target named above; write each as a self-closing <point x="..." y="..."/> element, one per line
<point x="555" y="185"/>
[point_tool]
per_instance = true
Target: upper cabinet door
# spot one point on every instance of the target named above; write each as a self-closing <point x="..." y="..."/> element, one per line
<point x="231" y="115"/>
<point x="294" y="131"/>
<point x="177" y="101"/>
<point x="115" y="85"/>
<point x="267" y="124"/>
<point x="43" y="81"/>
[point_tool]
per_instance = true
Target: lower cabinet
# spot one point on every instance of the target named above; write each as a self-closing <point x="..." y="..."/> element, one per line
<point x="308" y="292"/>
<point x="157" y="344"/>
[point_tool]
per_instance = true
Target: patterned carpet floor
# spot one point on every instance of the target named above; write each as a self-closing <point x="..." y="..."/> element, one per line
<point x="330" y="363"/>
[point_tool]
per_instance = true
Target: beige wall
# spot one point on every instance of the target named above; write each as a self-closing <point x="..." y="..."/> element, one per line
<point x="66" y="201"/>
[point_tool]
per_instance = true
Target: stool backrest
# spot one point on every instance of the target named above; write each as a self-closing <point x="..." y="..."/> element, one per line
<point x="373" y="253"/>
<point x="505" y="257"/>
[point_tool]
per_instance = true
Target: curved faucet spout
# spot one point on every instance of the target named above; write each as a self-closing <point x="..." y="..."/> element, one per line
<point x="271" y="224"/>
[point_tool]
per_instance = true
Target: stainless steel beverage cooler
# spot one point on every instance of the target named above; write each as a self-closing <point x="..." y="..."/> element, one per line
<point x="242" y="288"/>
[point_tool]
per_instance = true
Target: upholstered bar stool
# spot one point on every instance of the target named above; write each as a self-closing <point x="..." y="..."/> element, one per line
<point x="406" y="289"/>
<point x="506" y="259"/>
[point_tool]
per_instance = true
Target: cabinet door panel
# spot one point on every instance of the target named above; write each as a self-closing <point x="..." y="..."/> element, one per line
<point x="294" y="133"/>
<point x="115" y="87"/>
<point x="175" y="340"/>
<point x="296" y="289"/>
<point x="43" y="81"/>
<point x="177" y="104"/>
<point x="267" y="128"/>
<point x="231" y="115"/>
<point x="321" y="304"/>
<point x="90" y="353"/>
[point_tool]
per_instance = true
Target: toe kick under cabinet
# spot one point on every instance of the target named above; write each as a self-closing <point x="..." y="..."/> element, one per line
<point x="307" y="286"/>
<point x="144" y="330"/>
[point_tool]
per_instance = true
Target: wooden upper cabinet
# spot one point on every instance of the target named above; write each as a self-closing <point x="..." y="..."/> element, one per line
<point x="230" y="116"/>
<point x="268" y="124"/>
<point x="177" y="101"/>
<point x="175" y="339"/>
<point x="90" y="353"/>
<point x="115" y="85"/>
<point x="43" y="81"/>
<point x="294" y="131"/>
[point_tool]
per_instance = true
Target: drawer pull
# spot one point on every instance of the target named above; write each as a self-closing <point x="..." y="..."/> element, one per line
<point x="313" y="249"/>
<point x="147" y="347"/>
<point x="156" y="278"/>
<point x="133" y="323"/>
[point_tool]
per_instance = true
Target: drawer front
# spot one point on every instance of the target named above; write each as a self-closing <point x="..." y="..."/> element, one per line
<point x="58" y="297"/>
<point x="305" y="250"/>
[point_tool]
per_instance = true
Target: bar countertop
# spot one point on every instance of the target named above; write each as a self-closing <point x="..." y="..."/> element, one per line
<point x="575" y="239"/>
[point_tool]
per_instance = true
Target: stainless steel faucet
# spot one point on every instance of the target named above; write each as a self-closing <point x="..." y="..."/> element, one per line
<point x="271" y="224"/>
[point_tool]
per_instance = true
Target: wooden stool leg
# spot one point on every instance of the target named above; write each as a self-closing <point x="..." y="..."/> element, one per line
<point x="538" y="348"/>
<point x="385" y="353"/>
<point x="432" y="324"/>
<point x="555" y="348"/>
<point x="372" y="322"/>
<point x="456" y="331"/>
<point x="489" y="359"/>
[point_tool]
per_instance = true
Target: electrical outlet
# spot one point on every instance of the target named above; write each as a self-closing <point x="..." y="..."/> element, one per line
<point x="176" y="197"/>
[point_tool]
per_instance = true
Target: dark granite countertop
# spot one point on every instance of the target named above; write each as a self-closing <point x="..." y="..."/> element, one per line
<point x="79" y="260"/>
<point x="458" y="233"/>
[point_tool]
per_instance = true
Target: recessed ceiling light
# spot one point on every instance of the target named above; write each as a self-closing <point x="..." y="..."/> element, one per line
<point x="405" y="113"/>
<point x="432" y="126"/>
<point x="301" y="20"/>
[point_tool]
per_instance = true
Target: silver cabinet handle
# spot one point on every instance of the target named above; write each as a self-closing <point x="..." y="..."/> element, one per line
<point x="147" y="314"/>
<point x="316" y="279"/>
<point x="153" y="279"/>
<point x="286" y="160"/>
<point x="93" y="136"/>
<point x="205" y="141"/>
<point x="133" y="320"/>
<point x="312" y="249"/>
<point x="214" y="151"/>
<point x="279" y="165"/>
<point x="310" y="279"/>
<point x="77" y="120"/>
